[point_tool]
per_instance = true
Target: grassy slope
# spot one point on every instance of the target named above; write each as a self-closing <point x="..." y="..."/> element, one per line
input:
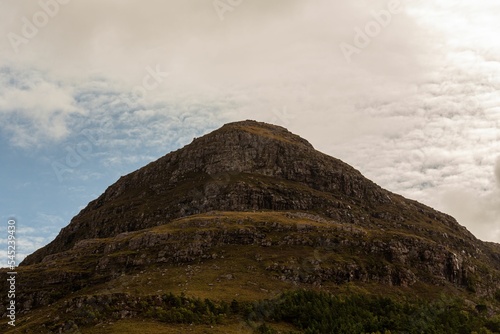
<point x="236" y="273"/>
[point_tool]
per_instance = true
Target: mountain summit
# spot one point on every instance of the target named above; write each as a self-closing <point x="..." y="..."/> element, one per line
<point x="242" y="166"/>
<point x="245" y="213"/>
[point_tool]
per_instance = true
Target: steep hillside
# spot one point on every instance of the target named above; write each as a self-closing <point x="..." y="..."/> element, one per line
<point x="248" y="213"/>
<point x="244" y="166"/>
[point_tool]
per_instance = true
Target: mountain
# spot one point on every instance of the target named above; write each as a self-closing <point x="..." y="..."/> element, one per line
<point x="247" y="213"/>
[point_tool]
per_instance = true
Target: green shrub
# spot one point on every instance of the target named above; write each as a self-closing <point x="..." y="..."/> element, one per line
<point x="314" y="312"/>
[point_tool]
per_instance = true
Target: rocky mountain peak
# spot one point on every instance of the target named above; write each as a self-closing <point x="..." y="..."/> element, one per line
<point x="244" y="165"/>
<point x="246" y="146"/>
<point x="245" y="210"/>
<point x="261" y="129"/>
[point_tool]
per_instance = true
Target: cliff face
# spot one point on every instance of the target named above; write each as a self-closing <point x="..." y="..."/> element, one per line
<point x="249" y="204"/>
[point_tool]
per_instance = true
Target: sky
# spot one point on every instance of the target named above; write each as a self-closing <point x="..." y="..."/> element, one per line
<point x="90" y="90"/>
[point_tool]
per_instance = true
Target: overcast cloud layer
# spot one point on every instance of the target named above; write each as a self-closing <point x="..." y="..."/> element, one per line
<point x="412" y="101"/>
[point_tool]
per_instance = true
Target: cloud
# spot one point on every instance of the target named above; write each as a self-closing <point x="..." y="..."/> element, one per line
<point x="263" y="56"/>
<point x="258" y="43"/>
<point x="29" y="239"/>
<point x="481" y="214"/>
<point x="32" y="108"/>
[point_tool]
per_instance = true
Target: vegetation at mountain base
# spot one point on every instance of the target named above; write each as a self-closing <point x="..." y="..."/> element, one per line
<point x="299" y="311"/>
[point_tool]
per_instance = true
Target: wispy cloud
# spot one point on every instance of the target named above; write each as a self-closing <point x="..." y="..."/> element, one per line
<point x="30" y="238"/>
<point x="34" y="109"/>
